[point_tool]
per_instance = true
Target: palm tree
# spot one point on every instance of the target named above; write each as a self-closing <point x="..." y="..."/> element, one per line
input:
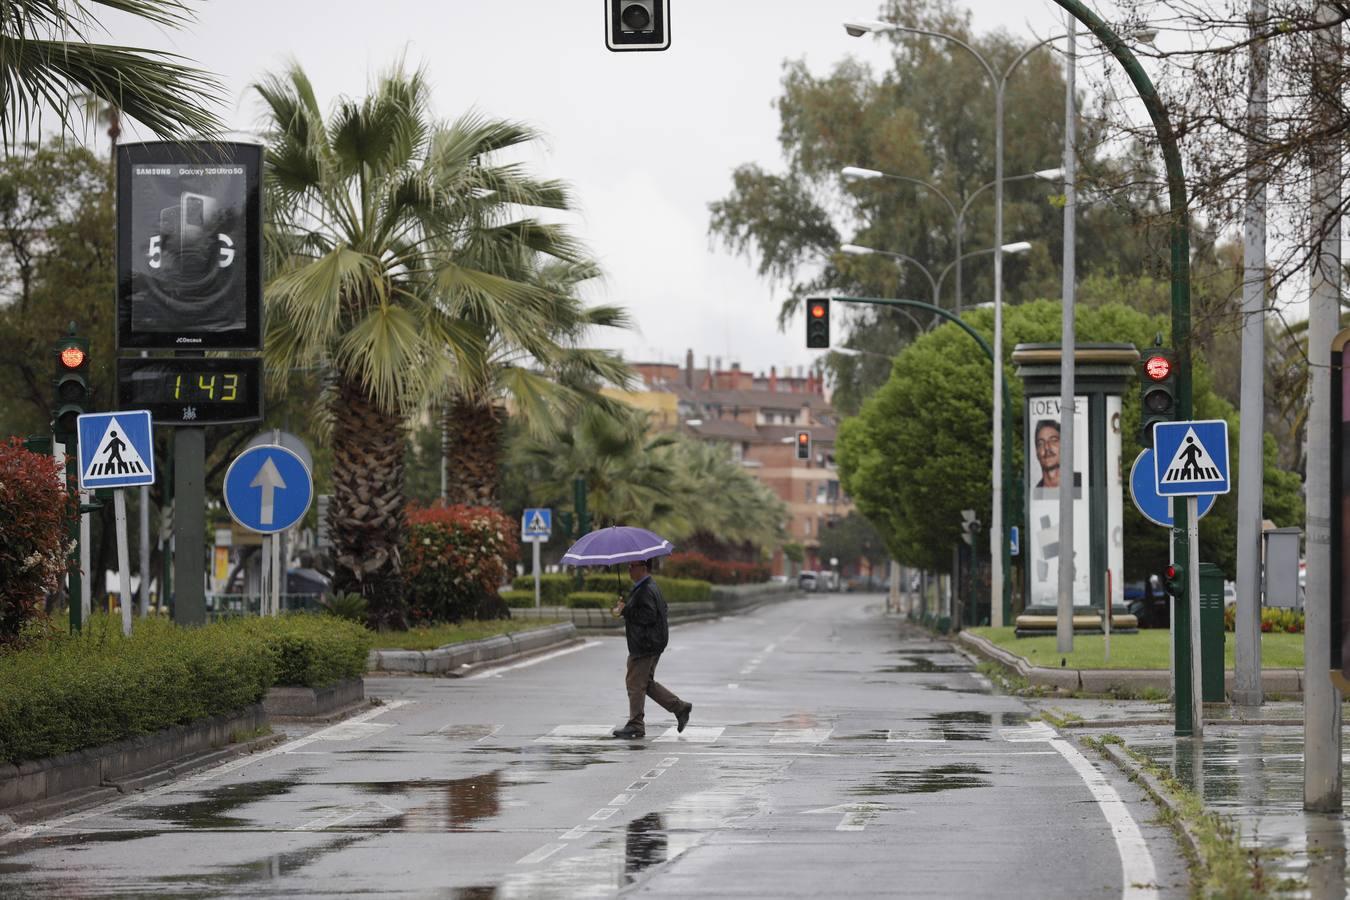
<point x="386" y="239"/>
<point x="50" y="61"/>
<point x="549" y="379"/>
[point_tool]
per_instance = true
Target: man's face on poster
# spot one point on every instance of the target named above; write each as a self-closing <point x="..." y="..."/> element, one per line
<point x="1047" y="454"/>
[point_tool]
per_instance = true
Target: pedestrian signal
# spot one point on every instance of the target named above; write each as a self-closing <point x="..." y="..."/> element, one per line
<point x="1174" y="581"/>
<point x="818" y="323"/>
<point x="1157" y="392"/>
<point x="803" y="445"/>
<point x="71" y="382"/>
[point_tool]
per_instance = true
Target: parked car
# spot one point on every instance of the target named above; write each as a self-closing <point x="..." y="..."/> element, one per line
<point x="806" y="580"/>
<point x="1147" y="602"/>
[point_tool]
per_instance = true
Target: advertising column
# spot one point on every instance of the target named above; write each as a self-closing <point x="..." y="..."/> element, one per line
<point x="1047" y="475"/>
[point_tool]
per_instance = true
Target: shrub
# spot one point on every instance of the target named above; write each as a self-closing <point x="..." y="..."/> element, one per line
<point x="456" y="559"/>
<point x="309" y="649"/>
<point x="553" y="589"/>
<point x="351" y="606"/>
<point x="696" y="565"/>
<point x="1273" y="619"/>
<point x="589" y="600"/>
<point x="521" y="599"/>
<point x="33" y="543"/>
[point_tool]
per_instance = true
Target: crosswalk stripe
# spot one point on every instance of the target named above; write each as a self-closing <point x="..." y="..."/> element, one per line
<point x="801" y="736"/>
<point x="694" y="734"/>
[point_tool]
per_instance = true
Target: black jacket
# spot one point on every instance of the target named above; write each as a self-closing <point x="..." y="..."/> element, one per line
<point x="646" y="624"/>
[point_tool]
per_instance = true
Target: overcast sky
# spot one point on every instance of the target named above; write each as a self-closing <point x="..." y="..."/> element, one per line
<point x="646" y="139"/>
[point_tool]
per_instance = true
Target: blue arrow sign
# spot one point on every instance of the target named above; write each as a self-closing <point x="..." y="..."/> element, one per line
<point x="116" y="449"/>
<point x="1151" y="504"/>
<point x="1191" y="457"/>
<point x="536" y="524"/>
<point x="268" y="488"/>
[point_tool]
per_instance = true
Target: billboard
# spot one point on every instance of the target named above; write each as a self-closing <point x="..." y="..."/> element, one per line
<point x="189" y="241"/>
<point x="1047" y="475"/>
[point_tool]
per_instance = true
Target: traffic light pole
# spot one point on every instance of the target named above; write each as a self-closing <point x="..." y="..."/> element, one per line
<point x="1006" y="599"/>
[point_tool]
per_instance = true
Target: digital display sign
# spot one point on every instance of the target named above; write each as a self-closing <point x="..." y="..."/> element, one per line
<point x="189" y="235"/>
<point x="192" y="390"/>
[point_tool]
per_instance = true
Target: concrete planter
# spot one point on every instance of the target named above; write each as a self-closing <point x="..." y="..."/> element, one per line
<point x="120" y="765"/>
<point x="453" y="657"/>
<point x="305" y="702"/>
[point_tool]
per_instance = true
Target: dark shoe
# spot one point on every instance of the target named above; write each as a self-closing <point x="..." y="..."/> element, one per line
<point x="682" y="717"/>
<point x="627" y="733"/>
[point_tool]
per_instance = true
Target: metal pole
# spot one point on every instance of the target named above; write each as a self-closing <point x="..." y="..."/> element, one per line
<point x="189" y="525"/>
<point x="144" y="546"/>
<point x="1321" y="699"/>
<point x="1067" y="363"/>
<point x="1251" y="434"/>
<point x="86" y="565"/>
<point x="998" y="539"/>
<point x="536" y="573"/>
<point x="1193" y="607"/>
<point x="960" y="231"/>
<point x="123" y="558"/>
<point x="278" y="574"/>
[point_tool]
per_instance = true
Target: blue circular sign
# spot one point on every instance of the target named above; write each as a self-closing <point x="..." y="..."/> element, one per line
<point x="268" y="488"/>
<point x="1153" y="505"/>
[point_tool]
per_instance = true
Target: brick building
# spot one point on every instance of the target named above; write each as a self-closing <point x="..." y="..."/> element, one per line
<point x="759" y="416"/>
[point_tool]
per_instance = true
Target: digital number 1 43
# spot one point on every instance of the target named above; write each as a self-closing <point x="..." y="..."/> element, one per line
<point x="207" y="384"/>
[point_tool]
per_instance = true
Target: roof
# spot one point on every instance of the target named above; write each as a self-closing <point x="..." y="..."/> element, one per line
<point x="752" y="399"/>
<point x="728" y="429"/>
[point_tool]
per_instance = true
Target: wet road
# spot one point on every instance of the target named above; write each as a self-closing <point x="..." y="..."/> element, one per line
<point x="832" y="752"/>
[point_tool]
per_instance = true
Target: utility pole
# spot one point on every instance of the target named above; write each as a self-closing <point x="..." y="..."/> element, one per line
<point x="1321" y="699"/>
<point x="1251" y="435"/>
<point x="1064" y="606"/>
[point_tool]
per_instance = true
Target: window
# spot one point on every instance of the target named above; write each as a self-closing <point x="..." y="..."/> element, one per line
<point x="810" y="491"/>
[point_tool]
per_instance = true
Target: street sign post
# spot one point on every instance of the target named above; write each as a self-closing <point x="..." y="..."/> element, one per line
<point x="536" y="526"/>
<point x="268" y="488"/>
<point x="117" y="450"/>
<point x="1191" y="459"/>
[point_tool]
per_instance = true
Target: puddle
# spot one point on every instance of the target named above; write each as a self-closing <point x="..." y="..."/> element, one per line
<point x="555" y="758"/>
<point x="450" y="805"/>
<point x="938" y="686"/>
<point x="478" y="892"/>
<point x="922" y="662"/>
<point x="269" y="868"/>
<point x="972" y="725"/>
<point x="213" y="810"/>
<point x="645" y="844"/>
<point x="926" y="781"/>
<point x="879" y="735"/>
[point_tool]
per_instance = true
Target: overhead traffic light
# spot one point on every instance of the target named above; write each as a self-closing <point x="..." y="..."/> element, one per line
<point x="818" y="323"/>
<point x="1157" y="391"/>
<point x="1174" y="581"/>
<point x="803" y="445"/>
<point x="71" y="382"/>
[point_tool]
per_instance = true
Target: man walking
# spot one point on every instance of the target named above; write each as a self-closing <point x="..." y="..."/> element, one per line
<point x="647" y="629"/>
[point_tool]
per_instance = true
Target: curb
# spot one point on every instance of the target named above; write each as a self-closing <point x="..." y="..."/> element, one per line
<point x="1155" y="789"/>
<point x="1104" y="681"/>
<point x="461" y="658"/>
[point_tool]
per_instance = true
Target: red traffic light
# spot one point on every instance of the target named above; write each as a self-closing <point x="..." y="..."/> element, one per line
<point x="1158" y="367"/>
<point x="803" y="438"/>
<point x="72" y="357"/>
<point x="817" y="310"/>
<point x="1170" y="572"/>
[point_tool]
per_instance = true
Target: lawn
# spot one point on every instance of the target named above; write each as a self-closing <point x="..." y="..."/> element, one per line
<point x="440" y="635"/>
<point x="1145" y="649"/>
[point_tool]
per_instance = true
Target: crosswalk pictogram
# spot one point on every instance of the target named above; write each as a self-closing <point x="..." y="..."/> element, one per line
<point x="1191" y="462"/>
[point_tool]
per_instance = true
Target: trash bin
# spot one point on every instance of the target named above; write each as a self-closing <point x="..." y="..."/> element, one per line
<point x="1211" y="632"/>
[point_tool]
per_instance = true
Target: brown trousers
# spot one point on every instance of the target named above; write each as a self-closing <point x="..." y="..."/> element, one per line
<point x="641" y="684"/>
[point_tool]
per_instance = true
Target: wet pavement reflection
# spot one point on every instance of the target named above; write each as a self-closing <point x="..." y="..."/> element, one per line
<point x="645" y="845"/>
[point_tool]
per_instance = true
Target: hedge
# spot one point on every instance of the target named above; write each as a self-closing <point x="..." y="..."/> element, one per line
<point x="553" y="589"/>
<point x="456" y="558"/>
<point x="69" y="692"/>
<point x="696" y="565"/>
<point x="521" y="599"/>
<point x="589" y="600"/>
<point x="33" y="541"/>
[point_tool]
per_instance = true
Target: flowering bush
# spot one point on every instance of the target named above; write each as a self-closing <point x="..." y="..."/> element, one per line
<point x="457" y="558"/>
<point x="696" y="565"/>
<point x="33" y="541"/>
<point x="1273" y="619"/>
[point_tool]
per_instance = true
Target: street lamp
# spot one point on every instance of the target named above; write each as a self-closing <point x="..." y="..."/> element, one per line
<point x="859" y="250"/>
<point x="1000" y="596"/>
<point x="858" y="173"/>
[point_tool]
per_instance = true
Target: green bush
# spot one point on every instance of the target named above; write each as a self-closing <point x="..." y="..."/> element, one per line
<point x="310" y="649"/>
<point x="589" y="600"/>
<point x="68" y="692"/>
<point x="521" y="599"/>
<point x="553" y="589"/>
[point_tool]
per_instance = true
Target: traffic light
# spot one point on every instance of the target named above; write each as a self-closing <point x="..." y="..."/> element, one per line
<point x="818" y="323"/>
<point x="1174" y="581"/>
<point x="803" y="445"/>
<point x="71" y="384"/>
<point x="1157" y="391"/>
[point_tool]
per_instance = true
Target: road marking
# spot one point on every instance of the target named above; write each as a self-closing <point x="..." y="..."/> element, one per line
<point x="856" y="815"/>
<point x="637" y="786"/>
<point x="355" y="731"/>
<point x="621" y="800"/>
<point x="915" y="736"/>
<point x="579" y="831"/>
<point x="140" y="798"/>
<point x="601" y="815"/>
<point x="1136" y="864"/>
<point x="497" y="673"/>
<point x="577" y="734"/>
<point x="539" y="855"/>
<point x="801" y="736"/>
<point x="693" y="734"/>
<point x="732" y="687"/>
<point x="769" y="649"/>
<point x="1032" y="732"/>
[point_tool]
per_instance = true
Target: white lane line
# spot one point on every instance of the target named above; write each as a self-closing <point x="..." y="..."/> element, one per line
<point x="180" y="784"/>
<point x="693" y="734"/>
<point x="801" y="736"/>
<point x="769" y="649"/>
<point x="497" y="673"/>
<point x="621" y="800"/>
<point x="915" y="736"/>
<point x="1136" y="864"/>
<point x="579" y="831"/>
<point x="577" y="734"/>
<point x="539" y="855"/>
<point x="732" y="687"/>
<point x="601" y="815"/>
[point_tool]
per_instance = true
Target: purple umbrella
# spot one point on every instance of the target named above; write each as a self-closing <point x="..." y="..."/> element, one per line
<point x="616" y="544"/>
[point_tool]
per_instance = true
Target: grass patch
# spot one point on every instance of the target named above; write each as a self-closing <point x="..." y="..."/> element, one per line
<point x="1225" y="868"/>
<point x="1145" y="649"/>
<point x="248" y="734"/>
<point x="429" y="638"/>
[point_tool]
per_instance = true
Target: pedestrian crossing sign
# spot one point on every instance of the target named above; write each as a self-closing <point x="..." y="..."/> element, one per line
<point x="116" y="449"/>
<point x="1191" y="458"/>
<point x="536" y="525"/>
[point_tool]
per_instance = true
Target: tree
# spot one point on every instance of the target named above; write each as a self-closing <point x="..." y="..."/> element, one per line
<point x="919" y="452"/>
<point x="850" y="539"/>
<point x="928" y="117"/>
<point x="50" y="61"/>
<point x="386" y="233"/>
